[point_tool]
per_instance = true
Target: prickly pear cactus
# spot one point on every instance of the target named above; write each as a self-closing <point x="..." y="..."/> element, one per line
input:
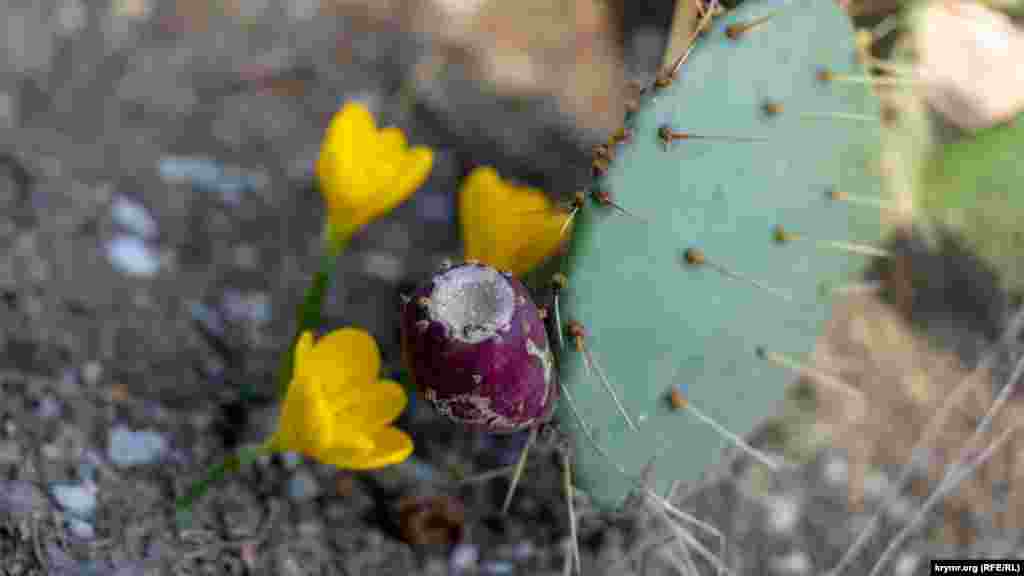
<point x="650" y="319"/>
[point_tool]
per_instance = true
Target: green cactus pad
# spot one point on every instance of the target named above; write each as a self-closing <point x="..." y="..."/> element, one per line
<point x="653" y="322"/>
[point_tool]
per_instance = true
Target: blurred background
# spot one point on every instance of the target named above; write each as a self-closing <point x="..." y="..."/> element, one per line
<point x="157" y="218"/>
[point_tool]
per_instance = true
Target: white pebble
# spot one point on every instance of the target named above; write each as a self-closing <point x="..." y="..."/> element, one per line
<point x="253" y="307"/>
<point x="784" y="511"/>
<point x="132" y="448"/>
<point x="836" y="470"/>
<point x="91" y="373"/>
<point x="906" y="564"/>
<point x="134" y="217"/>
<point x="876" y="485"/>
<point x="77" y="499"/>
<point x="793" y="563"/>
<point x="464" y="557"/>
<point x="48" y="408"/>
<point x="132" y="256"/>
<point x="246" y="256"/>
<point x="72" y="16"/>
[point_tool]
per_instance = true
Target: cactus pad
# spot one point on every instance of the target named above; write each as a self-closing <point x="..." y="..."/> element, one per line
<point x="651" y="320"/>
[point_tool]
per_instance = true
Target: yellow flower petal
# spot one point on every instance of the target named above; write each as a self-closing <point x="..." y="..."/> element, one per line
<point x="381" y="405"/>
<point x="307" y="423"/>
<point x="336" y="410"/>
<point x="364" y="173"/>
<point x="472" y="195"/>
<point x="346" y="363"/>
<point x="390" y="446"/>
<point x="510" y="227"/>
<point x="414" y="171"/>
<point x="344" y="155"/>
<point x="539" y="247"/>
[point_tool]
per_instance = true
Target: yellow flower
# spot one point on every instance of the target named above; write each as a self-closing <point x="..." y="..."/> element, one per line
<point x="364" y="172"/>
<point x="336" y="410"/>
<point x="512" y="228"/>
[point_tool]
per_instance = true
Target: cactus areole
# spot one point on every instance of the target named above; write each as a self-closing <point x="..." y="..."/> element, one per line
<point x="476" y="347"/>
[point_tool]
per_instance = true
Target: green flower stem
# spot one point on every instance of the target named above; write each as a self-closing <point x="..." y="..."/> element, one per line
<point x="233" y="463"/>
<point x="309" y="312"/>
<point x="309" y="318"/>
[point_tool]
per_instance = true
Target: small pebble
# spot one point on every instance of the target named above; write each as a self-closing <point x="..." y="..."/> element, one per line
<point x="464" y="557"/>
<point x="523" y="551"/>
<point x="383" y="265"/>
<point x="303" y="486"/>
<point x="77" y="499"/>
<point x="52" y="452"/>
<point x="784" y="511"/>
<point x="252" y="307"/>
<point x="131" y="448"/>
<point x="246" y="256"/>
<point x="836" y="470"/>
<point x="134" y="217"/>
<point x="793" y="563"/>
<point x="906" y="564"/>
<point x="876" y="485"/>
<point x="287" y="565"/>
<point x="91" y="373"/>
<point x="130" y="255"/>
<point x="48" y="408"/>
<point x="72" y="16"/>
<point x="230" y="182"/>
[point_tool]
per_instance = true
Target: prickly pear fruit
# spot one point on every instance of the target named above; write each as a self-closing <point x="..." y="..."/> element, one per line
<point x="477" y="349"/>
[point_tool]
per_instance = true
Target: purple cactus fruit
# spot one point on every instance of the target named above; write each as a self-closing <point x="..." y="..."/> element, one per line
<point x="477" y="349"/>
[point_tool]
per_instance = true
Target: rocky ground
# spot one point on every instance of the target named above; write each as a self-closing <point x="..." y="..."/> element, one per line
<point x="157" y="222"/>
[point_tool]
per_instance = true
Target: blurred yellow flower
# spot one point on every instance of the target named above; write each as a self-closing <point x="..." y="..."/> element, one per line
<point x="365" y="172"/>
<point x="336" y="410"/>
<point x="512" y="228"/>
